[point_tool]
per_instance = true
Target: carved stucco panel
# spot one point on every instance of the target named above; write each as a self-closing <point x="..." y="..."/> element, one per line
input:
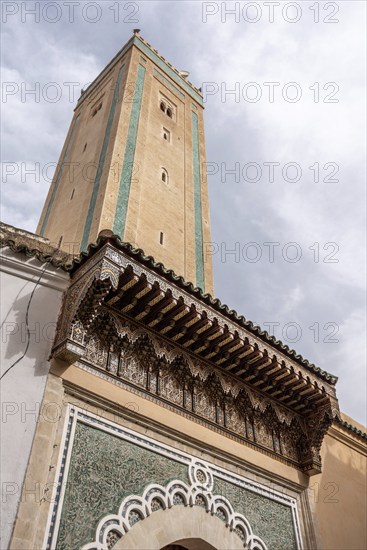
<point x="115" y="480"/>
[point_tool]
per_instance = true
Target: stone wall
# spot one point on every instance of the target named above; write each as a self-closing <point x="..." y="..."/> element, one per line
<point x="31" y="294"/>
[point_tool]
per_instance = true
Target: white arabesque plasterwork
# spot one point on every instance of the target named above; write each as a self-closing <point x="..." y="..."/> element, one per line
<point x="156" y="497"/>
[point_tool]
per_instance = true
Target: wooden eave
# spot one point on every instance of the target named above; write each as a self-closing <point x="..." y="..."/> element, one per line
<point x="143" y="295"/>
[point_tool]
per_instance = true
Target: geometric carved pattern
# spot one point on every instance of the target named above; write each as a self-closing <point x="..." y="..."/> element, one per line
<point x="157" y="497"/>
<point x="124" y="350"/>
<point x="147" y="363"/>
<point x="192" y="360"/>
<point x="103" y="470"/>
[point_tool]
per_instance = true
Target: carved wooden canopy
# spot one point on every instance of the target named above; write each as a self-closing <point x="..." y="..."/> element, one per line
<point x="131" y="319"/>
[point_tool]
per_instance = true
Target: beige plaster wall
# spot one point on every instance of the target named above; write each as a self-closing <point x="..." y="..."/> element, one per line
<point x="339" y="494"/>
<point x="69" y="211"/>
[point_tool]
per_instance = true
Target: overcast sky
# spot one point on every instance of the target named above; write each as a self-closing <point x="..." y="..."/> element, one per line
<point x="298" y="80"/>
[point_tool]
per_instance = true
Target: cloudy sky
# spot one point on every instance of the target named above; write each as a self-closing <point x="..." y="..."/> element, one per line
<point x="292" y="211"/>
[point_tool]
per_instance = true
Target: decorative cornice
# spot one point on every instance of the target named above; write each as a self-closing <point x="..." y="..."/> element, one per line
<point x="33" y="246"/>
<point x="118" y="316"/>
<point x="78" y="396"/>
<point x="350" y="428"/>
<point x="138" y="41"/>
<point x="210" y="304"/>
<point x="125" y="384"/>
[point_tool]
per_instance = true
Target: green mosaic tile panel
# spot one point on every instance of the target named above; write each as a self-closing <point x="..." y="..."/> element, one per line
<point x="269" y="520"/>
<point x="104" y="469"/>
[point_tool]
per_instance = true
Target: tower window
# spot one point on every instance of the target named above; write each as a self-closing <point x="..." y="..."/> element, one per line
<point x="72" y="195"/>
<point x="166" y="107"/>
<point x="161" y="237"/>
<point x="164" y="175"/>
<point x="96" y="109"/>
<point x="166" y="135"/>
<point x="85" y="146"/>
<point x="60" y="242"/>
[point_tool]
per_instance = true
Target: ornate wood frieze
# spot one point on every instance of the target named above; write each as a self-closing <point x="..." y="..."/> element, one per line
<point x="131" y="324"/>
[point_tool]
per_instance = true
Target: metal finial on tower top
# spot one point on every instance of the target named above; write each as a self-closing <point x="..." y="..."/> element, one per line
<point x="136" y="31"/>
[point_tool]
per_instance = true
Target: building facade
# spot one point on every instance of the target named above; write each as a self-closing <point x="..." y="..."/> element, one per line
<point x="168" y="421"/>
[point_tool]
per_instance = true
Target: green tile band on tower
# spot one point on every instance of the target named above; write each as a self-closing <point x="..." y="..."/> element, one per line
<point x="128" y="164"/>
<point x="102" y="158"/>
<point x="199" y="254"/>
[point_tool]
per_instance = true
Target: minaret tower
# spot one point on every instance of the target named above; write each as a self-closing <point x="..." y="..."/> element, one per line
<point x="134" y="162"/>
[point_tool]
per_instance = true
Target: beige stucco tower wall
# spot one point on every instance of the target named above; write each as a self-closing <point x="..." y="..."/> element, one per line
<point x="133" y="162"/>
<point x="338" y="495"/>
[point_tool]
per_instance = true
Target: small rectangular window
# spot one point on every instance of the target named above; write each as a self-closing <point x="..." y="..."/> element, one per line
<point x="96" y="107"/>
<point x="166" y="135"/>
<point x="161" y="238"/>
